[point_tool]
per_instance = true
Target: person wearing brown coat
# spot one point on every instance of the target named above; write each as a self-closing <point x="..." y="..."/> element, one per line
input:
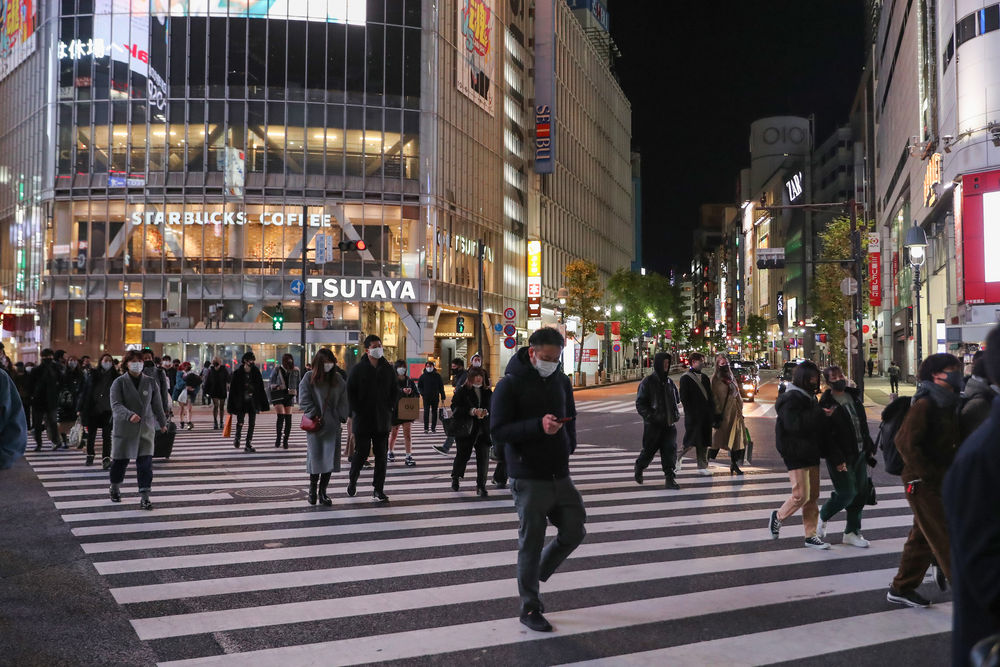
<point x="729" y="416"/>
<point x="927" y="441"/>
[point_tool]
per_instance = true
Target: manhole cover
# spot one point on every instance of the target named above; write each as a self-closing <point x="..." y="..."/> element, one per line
<point x="267" y="493"/>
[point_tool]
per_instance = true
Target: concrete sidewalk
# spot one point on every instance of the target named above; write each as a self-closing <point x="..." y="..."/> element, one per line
<point x="877" y="391"/>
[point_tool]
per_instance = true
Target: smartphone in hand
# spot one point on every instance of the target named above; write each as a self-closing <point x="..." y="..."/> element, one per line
<point x="563" y="420"/>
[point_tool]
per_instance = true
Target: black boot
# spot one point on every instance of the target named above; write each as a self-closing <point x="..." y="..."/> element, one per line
<point x="277" y="435"/>
<point x="324" y="481"/>
<point x="238" y="435"/>
<point x="288" y="429"/>
<point x="313" y="481"/>
<point x="734" y="469"/>
<point x="638" y="473"/>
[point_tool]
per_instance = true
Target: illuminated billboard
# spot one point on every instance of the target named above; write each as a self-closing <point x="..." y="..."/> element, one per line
<point x="18" y="21"/>
<point x="328" y="11"/>
<point x="475" y="76"/>
<point x="978" y="223"/>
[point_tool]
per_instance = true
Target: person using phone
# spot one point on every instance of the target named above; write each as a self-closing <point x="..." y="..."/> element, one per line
<point x="471" y="404"/>
<point x="525" y="413"/>
<point x="927" y="441"/>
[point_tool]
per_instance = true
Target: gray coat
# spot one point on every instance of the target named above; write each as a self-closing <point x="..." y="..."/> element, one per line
<point x="130" y="440"/>
<point x="324" y="445"/>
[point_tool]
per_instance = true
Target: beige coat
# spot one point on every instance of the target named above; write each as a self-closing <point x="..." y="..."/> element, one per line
<point x="728" y="404"/>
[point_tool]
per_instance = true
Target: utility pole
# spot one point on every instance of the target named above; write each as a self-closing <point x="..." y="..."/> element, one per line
<point x="857" y="361"/>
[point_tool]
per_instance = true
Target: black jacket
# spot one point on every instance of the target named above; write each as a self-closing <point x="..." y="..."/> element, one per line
<point x="43" y="385"/>
<point x="237" y="404"/>
<point x="656" y="401"/>
<point x="463" y="402"/>
<point x="698" y="407"/>
<point x="431" y="387"/>
<point x="217" y="382"/>
<point x="799" y="429"/>
<point x="971" y="497"/>
<point x="96" y="396"/>
<point x="976" y="401"/>
<point x="519" y="402"/>
<point x="372" y="393"/>
<point x="840" y="444"/>
<point x="70" y="389"/>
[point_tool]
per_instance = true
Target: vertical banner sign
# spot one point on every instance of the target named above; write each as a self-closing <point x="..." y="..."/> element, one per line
<point x="534" y="280"/>
<point x="476" y="60"/>
<point x="545" y="86"/>
<point x="895" y="278"/>
<point x="779" y="309"/>
<point x="959" y="247"/>
<point x="18" y="20"/>
<point x="874" y="269"/>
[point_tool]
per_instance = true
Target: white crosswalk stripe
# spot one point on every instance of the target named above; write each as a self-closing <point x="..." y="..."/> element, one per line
<point x="234" y="567"/>
<point x="627" y="406"/>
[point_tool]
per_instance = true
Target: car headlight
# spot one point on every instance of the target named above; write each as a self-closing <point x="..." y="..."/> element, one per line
<point x="748" y="386"/>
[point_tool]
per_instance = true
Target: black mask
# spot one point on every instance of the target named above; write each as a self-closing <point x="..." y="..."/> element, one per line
<point x="839" y="385"/>
<point x="148" y="364"/>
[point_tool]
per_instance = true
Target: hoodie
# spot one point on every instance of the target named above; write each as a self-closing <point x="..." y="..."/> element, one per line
<point x="520" y="400"/>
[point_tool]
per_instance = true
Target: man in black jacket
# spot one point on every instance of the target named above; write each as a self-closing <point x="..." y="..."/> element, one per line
<point x="656" y="403"/>
<point x="371" y="390"/>
<point x="431" y="388"/>
<point x="699" y="412"/>
<point x="43" y="387"/>
<point x="532" y="412"/>
<point x="971" y="498"/>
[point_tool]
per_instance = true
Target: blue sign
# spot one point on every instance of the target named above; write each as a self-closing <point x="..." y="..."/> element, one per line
<point x="616" y="347"/>
<point x="498" y="327"/>
<point x="298" y="287"/>
<point x="509" y="330"/>
<point x="545" y="87"/>
<point x="509" y="343"/>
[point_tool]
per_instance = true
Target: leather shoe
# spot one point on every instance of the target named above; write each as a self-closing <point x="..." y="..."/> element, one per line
<point x="638" y="474"/>
<point x="352" y="488"/>
<point x="535" y="621"/>
<point x="325" y="500"/>
<point x="116" y="495"/>
<point x="672" y="485"/>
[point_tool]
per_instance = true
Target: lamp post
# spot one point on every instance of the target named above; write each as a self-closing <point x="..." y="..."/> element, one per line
<point x="562" y="295"/>
<point x="916" y="243"/>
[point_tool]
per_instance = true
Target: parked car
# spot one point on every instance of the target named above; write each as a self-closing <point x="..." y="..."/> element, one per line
<point x="763" y="364"/>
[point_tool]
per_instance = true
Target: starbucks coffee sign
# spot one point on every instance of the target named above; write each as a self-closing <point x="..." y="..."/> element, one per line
<point x="362" y="289"/>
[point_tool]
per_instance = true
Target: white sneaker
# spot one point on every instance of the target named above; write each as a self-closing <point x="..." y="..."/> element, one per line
<point x="856" y="540"/>
<point x="704" y="472"/>
<point x="678" y="465"/>
<point x="821" y="529"/>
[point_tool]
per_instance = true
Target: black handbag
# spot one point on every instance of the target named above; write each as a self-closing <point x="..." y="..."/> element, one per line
<point x="870" y="498"/>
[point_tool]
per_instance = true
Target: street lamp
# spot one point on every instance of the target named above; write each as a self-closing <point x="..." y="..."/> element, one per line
<point x="618" y="308"/>
<point x="916" y="243"/>
<point x="562" y="295"/>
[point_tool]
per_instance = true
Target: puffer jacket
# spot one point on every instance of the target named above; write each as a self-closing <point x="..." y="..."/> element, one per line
<point x="799" y="429"/>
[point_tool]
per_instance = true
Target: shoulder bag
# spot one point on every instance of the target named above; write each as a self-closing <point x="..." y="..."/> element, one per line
<point x="279" y="390"/>
<point x="310" y="425"/>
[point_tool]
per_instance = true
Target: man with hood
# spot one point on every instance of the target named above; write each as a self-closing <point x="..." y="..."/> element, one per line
<point x="372" y="392"/>
<point x="656" y="402"/>
<point x="977" y="398"/>
<point x="699" y="412"/>
<point x="532" y="412"/>
<point x="927" y="441"/>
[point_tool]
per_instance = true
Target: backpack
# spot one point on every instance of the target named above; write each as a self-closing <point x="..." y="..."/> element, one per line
<point x="892" y="418"/>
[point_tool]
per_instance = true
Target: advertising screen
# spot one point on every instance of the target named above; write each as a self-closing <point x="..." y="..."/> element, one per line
<point x="980" y="234"/>
<point x="18" y="19"/>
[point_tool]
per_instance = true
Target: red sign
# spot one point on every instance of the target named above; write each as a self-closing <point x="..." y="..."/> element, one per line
<point x="959" y="250"/>
<point x="599" y="328"/>
<point x="875" y="279"/>
<point x="895" y="279"/>
<point x="979" y="220"/>
<point x="668" y="334"/>
<point x="864" y="328"/>
<point x="589" y="355"/>
<point x="616" y="328"/>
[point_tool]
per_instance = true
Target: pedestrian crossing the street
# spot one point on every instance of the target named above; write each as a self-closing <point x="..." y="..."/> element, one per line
<point x="233" y="567"/>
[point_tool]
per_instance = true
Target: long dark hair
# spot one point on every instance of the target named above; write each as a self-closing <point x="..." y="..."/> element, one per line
<point x="287" y="361"/>
<point x="319" y="374"/>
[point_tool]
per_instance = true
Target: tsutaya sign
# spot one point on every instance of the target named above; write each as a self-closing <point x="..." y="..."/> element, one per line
<point x="362" y="289"/>
<point x="277" y="218"/>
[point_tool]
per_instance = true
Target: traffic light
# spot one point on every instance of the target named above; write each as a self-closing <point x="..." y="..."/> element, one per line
<point x="358" y="245"/>
<point x="697" y="331"/>
<point x="460" y="324"/>
<point x="278" y="319"/>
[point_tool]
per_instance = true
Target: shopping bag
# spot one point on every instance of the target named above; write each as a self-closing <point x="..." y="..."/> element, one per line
<point x="748" y="444"/>
<point x="76" y="434"/>
<point x="408" y="409"/>
<point x="227" y="430"/>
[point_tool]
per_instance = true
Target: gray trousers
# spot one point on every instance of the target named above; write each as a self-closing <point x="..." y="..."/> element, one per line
<point x="538" y="502"/>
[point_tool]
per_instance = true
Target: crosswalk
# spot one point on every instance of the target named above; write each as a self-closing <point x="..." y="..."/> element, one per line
<point x="233" y="567"/>
<point x="627" y="406"/>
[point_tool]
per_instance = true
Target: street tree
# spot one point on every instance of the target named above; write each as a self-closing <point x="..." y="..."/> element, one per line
<point x="831" y="307"/>
<point x="584" y="297"/>
<point x="755" y="331"/>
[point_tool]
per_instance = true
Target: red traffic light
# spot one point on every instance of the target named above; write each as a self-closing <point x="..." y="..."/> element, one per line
<point x="361" y="245"/>
<point x="358" y="245"/>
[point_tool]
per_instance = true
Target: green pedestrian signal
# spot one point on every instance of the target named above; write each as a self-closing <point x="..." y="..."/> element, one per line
<point x="460" y="324"/>
<point x="278" y="319"/>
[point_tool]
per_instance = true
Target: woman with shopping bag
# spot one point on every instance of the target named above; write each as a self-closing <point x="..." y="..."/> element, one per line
<point x="729" y="416"/>
<point x="323" y="399"/>
<point x="406" y="412"/>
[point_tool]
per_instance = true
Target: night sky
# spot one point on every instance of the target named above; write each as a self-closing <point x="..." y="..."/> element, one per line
<point x="697" y="74"/>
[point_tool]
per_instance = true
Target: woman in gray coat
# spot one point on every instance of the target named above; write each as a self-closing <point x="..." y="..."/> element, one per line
<point x="134" y="414"/>
<point x="323" y="394"/>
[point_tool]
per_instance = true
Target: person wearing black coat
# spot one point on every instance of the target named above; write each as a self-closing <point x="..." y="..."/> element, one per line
<point x="470" y="404"/>
<point x="430" y="384"/>
<point x="799" y="430"/>
<point x="699" y="412"/>
<point x="656" y="402"/>
<point x="95" y="408"/>
<point x="217" y="388"/>
<point x="532" y="413"/>
<point x="848" y="450"/>
<point x="43" y="387"/>
<point x="971" y="496"/>
<point x="246" y="399"/>
<point x="371" y="390"/>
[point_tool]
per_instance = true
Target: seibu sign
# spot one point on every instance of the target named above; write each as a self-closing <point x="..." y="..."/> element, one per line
<point x="362" y="289"/>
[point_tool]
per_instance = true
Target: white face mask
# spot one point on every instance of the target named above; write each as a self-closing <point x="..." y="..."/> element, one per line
<point x="400" y="372"/>
<point x="327" y="367"/>
<point x="476" y="363"/>
<point x="135" y="367"/>
<point x="428" y="369"/>
<point x="72" y="364"/>
<point x="375" y="353"/>
<point x="106" y="365"/>
<point x="545" y="368"/>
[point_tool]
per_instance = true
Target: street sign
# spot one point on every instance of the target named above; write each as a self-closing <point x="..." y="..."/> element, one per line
<point x="298" y="287"/>
<point x="616" y="347"/>
<point x="498" y="327"/>
<point x="509" y="343"/>
<point x="848" y="286"/>
<point x="509" y="330"/>
<point x="320" y="255"/>
<point x="509" y="313"/>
